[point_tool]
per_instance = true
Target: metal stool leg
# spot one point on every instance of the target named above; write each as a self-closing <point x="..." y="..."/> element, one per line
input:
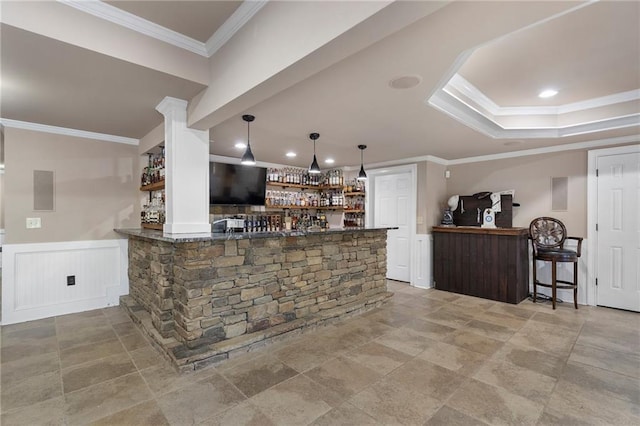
<point x="553" y="284"/>
<point x="575" y="285"/>
<point x="535" y="281"/>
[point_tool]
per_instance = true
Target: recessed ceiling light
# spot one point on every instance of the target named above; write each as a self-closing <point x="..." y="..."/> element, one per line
<point x="405" y="82"/>
<point x="329" y="161"/>
<point x="547" y="93"/>
<point x="241" y="145"/>
<point x="291" y="154"/>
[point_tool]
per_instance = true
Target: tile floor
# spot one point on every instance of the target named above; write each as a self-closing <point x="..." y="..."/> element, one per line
<point x="427" y="357"/>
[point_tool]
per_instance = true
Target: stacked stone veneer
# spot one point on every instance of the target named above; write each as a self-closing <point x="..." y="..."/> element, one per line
<point x="205" y="292"/>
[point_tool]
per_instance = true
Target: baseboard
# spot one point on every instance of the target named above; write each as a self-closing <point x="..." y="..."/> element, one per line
<point x="34" y="278"/>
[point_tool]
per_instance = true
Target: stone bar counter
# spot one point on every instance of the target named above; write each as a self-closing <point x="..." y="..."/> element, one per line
<point x="203" y="298"/>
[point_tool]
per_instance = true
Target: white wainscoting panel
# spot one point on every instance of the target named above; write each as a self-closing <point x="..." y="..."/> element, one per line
<point x="34" y="281"/>
<point x="565" y="272"/>
<point x="422" y="261"/>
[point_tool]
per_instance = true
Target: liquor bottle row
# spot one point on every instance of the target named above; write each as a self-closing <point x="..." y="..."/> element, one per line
<point x="263" y="223"/>
<point x="354" y="185"/>
<point x="154" y="212"/>
<point x="302" y="199"/>
<point x="154" y="171"/>
<point x="354" y="203"/>
<point x="299" y="176"/>
<point x="275" y="223"/>
<point x="353" y="219"/>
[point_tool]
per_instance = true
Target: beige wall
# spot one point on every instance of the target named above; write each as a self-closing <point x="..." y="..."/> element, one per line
<point x="432" y="189"/>
<point x="530" y="176"/>
<point x="436" y="191"/>
<point x="96" y="187"/>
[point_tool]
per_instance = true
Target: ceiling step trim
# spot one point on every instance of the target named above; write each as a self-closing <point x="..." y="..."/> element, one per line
<point x="133" y="22"/>
<point x="241" y="16"/>
<point x="45" y="128"/>
<point x="467" y="114"/>
<point x="465" y="87"/>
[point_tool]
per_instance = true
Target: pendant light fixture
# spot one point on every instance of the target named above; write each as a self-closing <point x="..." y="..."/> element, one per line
<point x="247" y="157"/>
<point x="362" y="175"/>
<point x="314" y="168"/>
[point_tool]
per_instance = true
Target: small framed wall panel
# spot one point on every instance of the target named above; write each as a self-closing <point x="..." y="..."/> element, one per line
<point x="43" y="190"/>
<point x="559" y="194"/>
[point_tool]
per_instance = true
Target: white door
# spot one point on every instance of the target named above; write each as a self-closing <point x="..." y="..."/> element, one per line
<point x="618" y="245"/>
<point x="392" y="208"/>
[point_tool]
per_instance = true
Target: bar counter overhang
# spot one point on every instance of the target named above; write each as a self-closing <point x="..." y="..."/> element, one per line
<point x="202" y="298"/>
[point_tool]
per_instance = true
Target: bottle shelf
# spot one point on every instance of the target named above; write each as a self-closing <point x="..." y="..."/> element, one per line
<point x="353" y="211"/>
<point x="354" y="194"/>
<point x="304" y="208"/>
<point x="156" y="226"/>
<point x="311" y="187"/>
<point x="153" y="187"/>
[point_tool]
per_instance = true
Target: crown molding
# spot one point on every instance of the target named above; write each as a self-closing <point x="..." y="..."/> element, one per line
<point x="467" y="114"/>
<point x="550" y="149"/>
<point x="513" y="154"/>
<point x="241" y="16"/>
<point x="169" y="104"/>
<point x="135" y="23"/>
<point x="45" y="128"/>
<point x="463" y="86"/>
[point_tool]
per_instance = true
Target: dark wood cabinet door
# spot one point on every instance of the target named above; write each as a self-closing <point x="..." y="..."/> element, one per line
<point x="491" y="264"/>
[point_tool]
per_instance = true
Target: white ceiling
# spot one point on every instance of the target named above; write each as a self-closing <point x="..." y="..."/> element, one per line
<point x="195" y="19"/>
<point x="57" y="84"/>
<point x="589" y="52"/>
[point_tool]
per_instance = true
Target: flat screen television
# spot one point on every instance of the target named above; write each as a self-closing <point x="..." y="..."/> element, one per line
<point x="234" y="184"/>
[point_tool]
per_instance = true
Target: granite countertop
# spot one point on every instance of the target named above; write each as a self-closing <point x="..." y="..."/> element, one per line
<point x="188" y="238"/>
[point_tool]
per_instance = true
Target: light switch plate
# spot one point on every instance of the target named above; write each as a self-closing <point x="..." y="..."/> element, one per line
<point x="33" y="222"/>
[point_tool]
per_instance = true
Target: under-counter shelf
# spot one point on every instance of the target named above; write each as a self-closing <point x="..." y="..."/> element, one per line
<point x="156" y="226"/>
<point x="157" y="186"/>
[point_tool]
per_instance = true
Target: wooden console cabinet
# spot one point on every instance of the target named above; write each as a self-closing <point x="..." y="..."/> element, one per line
<point x="482" y="262"/>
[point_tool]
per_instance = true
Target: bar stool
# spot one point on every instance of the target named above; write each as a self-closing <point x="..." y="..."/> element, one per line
<point x="548" y="236"/>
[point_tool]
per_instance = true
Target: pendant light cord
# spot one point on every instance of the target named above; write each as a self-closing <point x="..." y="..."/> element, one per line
<point x="248" y="134"/>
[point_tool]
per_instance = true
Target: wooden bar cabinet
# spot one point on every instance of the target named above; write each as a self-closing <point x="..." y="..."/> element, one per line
<point x="482" y="262"/>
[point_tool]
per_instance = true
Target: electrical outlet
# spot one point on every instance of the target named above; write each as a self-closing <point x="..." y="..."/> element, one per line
<point x="71" y="280"/>
<point x="33" y="222"/>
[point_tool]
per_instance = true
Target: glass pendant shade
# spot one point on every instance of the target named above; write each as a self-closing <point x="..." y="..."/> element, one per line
<point x="247" y="158"/>
<point x="362" y="175"/>
<point x="314" y="168"/>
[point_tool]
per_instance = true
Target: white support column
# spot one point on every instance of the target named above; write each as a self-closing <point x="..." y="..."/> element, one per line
<point x="187" y="171"/>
